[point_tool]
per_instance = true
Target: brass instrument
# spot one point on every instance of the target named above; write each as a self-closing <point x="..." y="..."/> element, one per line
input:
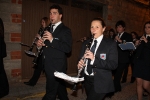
<point x="84" y="59"/>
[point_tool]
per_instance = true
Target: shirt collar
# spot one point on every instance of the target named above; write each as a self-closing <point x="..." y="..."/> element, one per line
<point x="55" y="25"/>
<point x="120" y="34"/>
<point x="99" y="39"/>
<point x="147" y="35"/>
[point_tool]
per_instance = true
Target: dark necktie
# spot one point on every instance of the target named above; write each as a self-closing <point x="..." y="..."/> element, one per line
<point x="148" y="38"/>
<point x="89" y="67"/>
<point x="51" y="28"/>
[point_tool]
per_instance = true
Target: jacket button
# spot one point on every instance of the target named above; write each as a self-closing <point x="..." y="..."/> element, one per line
<point x="46" y="46"/>
<point x="95" y="66"/>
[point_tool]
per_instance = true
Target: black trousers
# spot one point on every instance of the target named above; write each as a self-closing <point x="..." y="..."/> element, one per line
<point x="55" y="87"/>
<point x="118" y="75"/>
<point x="125" y="74"/>
<point x="36" y="75"/>
<point x="90" y="91"/>
<point x="37" y="71"/>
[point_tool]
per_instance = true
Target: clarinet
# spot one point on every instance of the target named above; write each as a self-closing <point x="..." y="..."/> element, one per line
<point x="40" y="51"/>
<point x="29" y="52"/>
<point x="84" y="59"/>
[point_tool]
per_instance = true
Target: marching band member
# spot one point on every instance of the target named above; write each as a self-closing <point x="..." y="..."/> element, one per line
<point x="97" y="72"/>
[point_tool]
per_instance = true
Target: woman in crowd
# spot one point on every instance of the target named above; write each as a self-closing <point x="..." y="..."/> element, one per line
<point x="135" y="39"/>
<point x="38" y="67"/>
<point x="111" y="33"/>
<point x="142" y="64"/>
<point x="102" y="58"/>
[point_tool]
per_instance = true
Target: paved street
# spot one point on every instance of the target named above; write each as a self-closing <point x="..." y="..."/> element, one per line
<point x="19" y="91"/>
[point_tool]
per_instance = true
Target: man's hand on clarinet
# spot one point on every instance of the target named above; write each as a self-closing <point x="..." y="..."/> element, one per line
<point x="47" y="36"/>
<point x="40" y="42"/>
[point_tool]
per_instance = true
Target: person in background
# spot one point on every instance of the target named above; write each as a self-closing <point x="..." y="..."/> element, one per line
<point x="4" y="85"/>
<point x="142" y="64"/>
<point x="123" y="55"/>
<point x="111" y="33"/>
<point x="135" y="39"/>
<point x="102" y="58"/>
<point x="38" y="68"/>
<point x="106" y="34"/>
<point x="56" y="44"/>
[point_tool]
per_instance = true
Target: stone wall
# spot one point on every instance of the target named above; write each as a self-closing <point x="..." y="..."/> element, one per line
<point x="133" y="14"/>
<point x="10" y="12"/>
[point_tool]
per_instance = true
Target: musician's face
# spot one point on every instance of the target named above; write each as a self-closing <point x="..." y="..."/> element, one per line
<point x="96" y="28"/>
<point x="120" y="29"/>
<point x="43" y="23"/>
<point x="147" y="28"/>
<point x="133" y="36"/>
<point x="111" y="33"/>
<point x="54" y="16"/>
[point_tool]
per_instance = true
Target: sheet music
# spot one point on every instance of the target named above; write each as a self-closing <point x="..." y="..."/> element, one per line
<point x="127" y="46"/>
<point x="68" y="78"/>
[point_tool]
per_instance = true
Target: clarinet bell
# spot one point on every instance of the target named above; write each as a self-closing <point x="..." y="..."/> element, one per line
<point x="30" y="53"/>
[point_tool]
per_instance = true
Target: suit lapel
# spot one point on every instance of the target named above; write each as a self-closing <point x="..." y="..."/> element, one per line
<point x="101" y="46"/>
<point x="58" y="28"/>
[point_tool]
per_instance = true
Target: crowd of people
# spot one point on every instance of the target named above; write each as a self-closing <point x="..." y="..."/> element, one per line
<point x="103" y="58"/>
<point x="137" y="59"/>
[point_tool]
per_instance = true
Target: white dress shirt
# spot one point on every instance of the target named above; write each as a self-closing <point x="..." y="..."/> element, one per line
<point x="120" y="35"/>
<point x="55" y="25"/>
<point x="147" y="35"/>
<point x="99" y="39"/>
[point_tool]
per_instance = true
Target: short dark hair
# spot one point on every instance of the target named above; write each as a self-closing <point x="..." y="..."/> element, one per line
<point x="120" y="22"/>
<point x="55" y="6"/>
<point x="148" y="22"/>
<point x="136" y="35"/>
<point x="112" y="30"/>
<point x="101" y="20"/>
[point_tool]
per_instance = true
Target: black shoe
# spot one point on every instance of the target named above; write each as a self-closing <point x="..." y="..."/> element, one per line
<point x="145" y="94"/>
<point x="132" y="80"/>
<point x="109" y="95"/>
<point x="123" y="81"/>
<point x="117" y="91"/>
<point x="28" y="83"/>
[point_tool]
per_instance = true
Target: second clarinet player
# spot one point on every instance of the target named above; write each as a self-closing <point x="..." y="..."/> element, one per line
<point x="102" y="58"/>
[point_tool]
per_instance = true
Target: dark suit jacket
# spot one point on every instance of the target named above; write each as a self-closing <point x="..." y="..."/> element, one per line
<point x="123" y="55"/>
<point x="4" y="86"/>
<point x="55" y="52"/>
<point x="2" y="48"/>
<point x="103" y="82"/>
<point x="142" y="53"/>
